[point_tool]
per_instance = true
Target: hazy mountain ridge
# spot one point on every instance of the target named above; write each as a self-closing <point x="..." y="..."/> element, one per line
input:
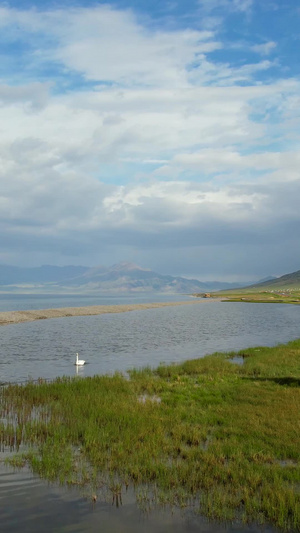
<point x="121" y="277"/>
<point x="288" y="281"/>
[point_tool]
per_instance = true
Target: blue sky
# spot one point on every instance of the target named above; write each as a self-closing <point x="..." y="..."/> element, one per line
<point x="163" y="133"/>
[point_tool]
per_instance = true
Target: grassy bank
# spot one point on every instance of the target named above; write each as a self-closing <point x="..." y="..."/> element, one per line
<point x="284" y="296"/>
<point x="264" y="297"/>
<point x="222" y="437"/>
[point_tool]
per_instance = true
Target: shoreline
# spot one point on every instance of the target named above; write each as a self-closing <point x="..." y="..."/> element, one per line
<point x="17" y="317"/>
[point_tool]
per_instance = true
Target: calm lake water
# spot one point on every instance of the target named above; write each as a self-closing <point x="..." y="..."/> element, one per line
<point x="119" y="342"/>
<point x="18" y="302"/>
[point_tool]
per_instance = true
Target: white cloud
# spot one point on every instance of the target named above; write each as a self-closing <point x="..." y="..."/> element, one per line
<point x="33" y="96"/>
<point x="264" y="49"/>
<point x="221" y="161"/>
<point x="109" y="46"/>
<point x="174" y="150"/>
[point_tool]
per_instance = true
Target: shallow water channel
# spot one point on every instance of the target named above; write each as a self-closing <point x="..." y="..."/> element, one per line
<point x="118" y="342"/>
<point x="30" y="505"/>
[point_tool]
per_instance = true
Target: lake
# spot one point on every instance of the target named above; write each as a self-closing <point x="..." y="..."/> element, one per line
<point x="18" y="302"/>
<point x="111" y="342"/>
<point x="121" y="341"/>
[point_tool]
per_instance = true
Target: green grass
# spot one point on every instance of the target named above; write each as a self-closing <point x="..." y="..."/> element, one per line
<point x="279" y="295"/>
<point x="223" y="438"/>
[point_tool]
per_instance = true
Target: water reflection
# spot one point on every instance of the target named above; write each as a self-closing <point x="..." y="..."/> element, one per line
<point x="30" y="505"/>
<point x="79" y="370"/>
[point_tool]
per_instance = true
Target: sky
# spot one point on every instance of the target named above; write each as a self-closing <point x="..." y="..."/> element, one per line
<point x="161" y="133"/>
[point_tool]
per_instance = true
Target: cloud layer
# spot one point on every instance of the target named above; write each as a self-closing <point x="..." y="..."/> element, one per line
<point x="122" y="139"/>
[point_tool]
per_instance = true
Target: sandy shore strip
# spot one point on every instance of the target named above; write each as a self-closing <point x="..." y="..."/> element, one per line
<point x="16" y="317"/>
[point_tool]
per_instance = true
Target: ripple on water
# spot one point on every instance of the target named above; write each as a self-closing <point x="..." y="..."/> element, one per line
<point x="118" y="342"/>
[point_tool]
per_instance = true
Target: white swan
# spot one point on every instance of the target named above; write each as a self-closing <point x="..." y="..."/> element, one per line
<point x="79" y="362"/>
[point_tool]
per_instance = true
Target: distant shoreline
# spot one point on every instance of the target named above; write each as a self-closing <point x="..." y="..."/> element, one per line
<point x="17" y="317"/>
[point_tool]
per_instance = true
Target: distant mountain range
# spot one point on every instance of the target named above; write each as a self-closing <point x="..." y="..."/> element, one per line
<point x="122" y="277"/>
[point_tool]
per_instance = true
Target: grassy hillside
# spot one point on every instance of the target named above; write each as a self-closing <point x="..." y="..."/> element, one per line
<point x="285" y="289"/>
<point x="288" y="281"/>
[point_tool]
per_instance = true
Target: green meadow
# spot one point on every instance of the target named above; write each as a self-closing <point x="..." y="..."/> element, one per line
<point x="220" y="437"/>
<point x="283" y="296"/>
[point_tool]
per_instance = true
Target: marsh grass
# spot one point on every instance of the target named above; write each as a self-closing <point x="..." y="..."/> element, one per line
<point x="220" y="437"/>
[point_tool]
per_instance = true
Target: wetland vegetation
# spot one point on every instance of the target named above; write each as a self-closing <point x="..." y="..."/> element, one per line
<point x="219" y="437"/>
